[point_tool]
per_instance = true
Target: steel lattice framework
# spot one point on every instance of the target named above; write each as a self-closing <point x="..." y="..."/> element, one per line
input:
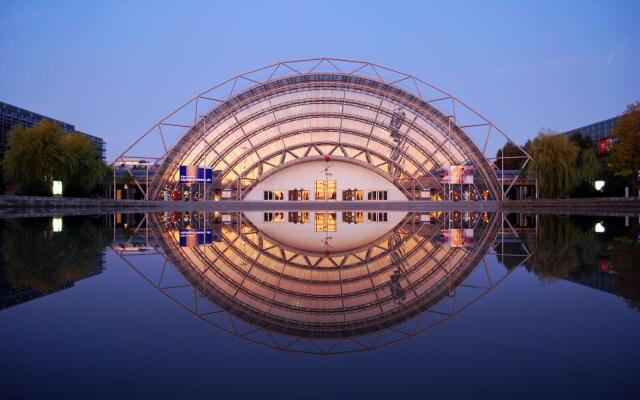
<point x="259" y="122"/>
<point x="392" y="289"/>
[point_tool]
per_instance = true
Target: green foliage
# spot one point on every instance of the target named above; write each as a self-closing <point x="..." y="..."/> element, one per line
<point x="37" y="156"/>
<point x="510" y="157"/>
<point x="587" y="164"/>
<point x="589" y="167"/>
<point x="625" y="260"/>
<point x="568" y="248"/>
<point x="554" y="248"/>
<point x="583" y="142"/>
<point x="624" y="157"/>
<point x="38" y="258"/>
<point x="85" y="174"/>
<point x="554" y="164"/>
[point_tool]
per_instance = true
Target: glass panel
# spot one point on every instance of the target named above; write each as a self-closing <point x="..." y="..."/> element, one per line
<point x="325" y="190"/>
<point x="325" y="222"/>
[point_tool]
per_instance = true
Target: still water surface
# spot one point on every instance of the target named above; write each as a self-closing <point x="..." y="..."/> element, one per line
<point x="317" y="304"/>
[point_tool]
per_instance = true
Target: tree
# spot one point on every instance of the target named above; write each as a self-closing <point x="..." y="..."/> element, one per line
<point x="562" y="248"/>
<point x="82" y="178"/>
<point x="514" y="158"/>
<point x="37" y="156"/>
<point x="554" y="164"/>
<point x="589" y="166"/>
<point x="105" y="178"/>
<point x="624" y="156"/>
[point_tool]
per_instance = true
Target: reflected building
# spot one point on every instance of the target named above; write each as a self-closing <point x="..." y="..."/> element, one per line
<point x="601" y="278"/>
<point x="323" y="281"/>
<point x="12" y="295"/>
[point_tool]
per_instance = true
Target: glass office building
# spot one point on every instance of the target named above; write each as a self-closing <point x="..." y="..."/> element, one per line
<point x="596" y="131"/>
<point x="11" y="116"/>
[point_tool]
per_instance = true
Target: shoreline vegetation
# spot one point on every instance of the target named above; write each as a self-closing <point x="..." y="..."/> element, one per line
<point x="569" y="166"/>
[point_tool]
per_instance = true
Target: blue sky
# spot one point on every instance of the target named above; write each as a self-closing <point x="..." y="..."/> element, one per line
<point x="113" y="68"/>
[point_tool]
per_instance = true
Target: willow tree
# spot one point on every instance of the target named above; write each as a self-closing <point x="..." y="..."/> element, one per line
<point x="37" y="156"/>
<point x="86" y="168"/>
<point x="554" y="164"/>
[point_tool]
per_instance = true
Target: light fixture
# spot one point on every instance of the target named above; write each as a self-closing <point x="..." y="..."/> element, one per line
<point x="56" y="224"/>
<point x="598" y="185"/>
<point x="56" y="188"/>
<point x="599" y="228"/>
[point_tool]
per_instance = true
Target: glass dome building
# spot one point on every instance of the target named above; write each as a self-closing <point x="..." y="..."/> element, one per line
<point x="322" y="129"/>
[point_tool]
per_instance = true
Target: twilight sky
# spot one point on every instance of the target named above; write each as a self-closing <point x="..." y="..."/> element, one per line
<point x="113" y="68"/>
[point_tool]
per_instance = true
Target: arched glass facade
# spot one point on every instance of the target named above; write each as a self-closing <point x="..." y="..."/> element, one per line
<point x="314" y="116"/>
<point x="292" y="114"/>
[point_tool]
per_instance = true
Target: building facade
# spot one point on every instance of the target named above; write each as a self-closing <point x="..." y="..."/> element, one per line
<point x="11" y="116"/>
<point x="599" y="132"/>
<point x="320" y="130"/>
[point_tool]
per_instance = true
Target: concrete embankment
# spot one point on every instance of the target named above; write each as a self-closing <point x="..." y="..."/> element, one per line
<point x="591" y="206"/>
<point x="19" y="206"/>
<point x="69" y="202"/>
<point x="34" y="206"/>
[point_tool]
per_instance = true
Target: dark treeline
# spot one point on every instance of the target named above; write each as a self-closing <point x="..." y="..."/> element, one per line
<point x="569" y="166"/>
<point x="34" y="256"/>
<point x="37" y="156"/>
<point x="569" y="248"/>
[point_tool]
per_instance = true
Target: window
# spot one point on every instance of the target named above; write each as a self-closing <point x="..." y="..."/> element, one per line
<point x="273" y="195"/>
<point x="325" y="222"/>
<point x="352" y="194"/>
<point x="377" y="216"/>
<point x="274" y="217"/>
<point x="325" y="190"/>
<point x="353" y="217"/>
<point x="377" y="195"/>
<point x="299" y="217"/>
<point x="298" y="194"/>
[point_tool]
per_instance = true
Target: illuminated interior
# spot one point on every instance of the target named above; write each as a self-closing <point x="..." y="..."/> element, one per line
<point x="326" y="118"/>
<point x="314" y="288"/>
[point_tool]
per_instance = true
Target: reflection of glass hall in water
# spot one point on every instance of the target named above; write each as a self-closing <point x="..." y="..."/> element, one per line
<point x="292" y="287"/>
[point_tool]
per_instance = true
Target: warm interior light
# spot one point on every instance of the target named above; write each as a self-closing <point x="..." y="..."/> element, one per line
<point x="599" y="185"/>
<point x="56" y="224"/>
<point x="599" y="227"/>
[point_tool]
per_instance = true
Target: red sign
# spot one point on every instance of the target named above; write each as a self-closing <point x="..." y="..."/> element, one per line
<point x="603" y="146"/>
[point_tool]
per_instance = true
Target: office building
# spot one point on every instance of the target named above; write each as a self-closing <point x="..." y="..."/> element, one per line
<point x="11" y="116"/>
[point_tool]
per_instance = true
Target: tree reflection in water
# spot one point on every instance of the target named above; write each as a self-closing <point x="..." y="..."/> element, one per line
<point x="36" y="257"/>
<point x="569" y="248"/>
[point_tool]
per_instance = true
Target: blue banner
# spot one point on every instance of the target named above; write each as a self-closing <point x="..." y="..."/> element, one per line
<point x="194" y="174"/>
<point x="192" y="238"/>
